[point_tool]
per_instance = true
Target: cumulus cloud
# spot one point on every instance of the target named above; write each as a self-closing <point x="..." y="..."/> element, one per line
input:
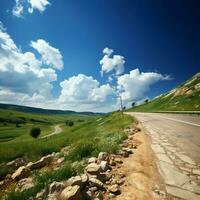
<point x="109" y="63"/>
<point x="21" y="72"/>
<point x="30" y="5"/>
<point x="50" y="55"/>
<point x="133" y="86"/>
<point x="86" y="92"/>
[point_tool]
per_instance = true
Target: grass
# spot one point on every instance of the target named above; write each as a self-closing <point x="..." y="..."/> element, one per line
<point x="86" y="139"/>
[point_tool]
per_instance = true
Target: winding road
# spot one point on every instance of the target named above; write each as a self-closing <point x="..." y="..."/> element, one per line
<point x="176" y="144"/>
<point x="57" y="130"/>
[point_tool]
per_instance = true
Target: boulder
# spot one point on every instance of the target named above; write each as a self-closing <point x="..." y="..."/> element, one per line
<point x="25" y="184"/>
<point x="103" y="156"/>
<point x="114" y="189"/>
<point x="71" y="193"/>
<point x="56" y="187"/>
<point x="104" y="166"/>
<point x="93" y="169"/>
<point x="21" y="172"/>
<point x="60" y="160"/>
<point x="74" y="180"/>
<point x="40" y="195"/>
<point x="40" y="163"/>
<point x="92" y="160"/>
<point x="84" y="179"/>
<point x="17" y="163"/>
<point x="94" y="182"/>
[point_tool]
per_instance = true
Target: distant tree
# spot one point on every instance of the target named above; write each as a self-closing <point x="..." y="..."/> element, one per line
<point x="146" y="100"/>
<point x="133" y="104"/>
<point x="69" y="123"/>
<point x="124" y="108"/>
<point x="35" y="132"/>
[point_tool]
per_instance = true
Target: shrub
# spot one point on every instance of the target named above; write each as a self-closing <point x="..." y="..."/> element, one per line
<point x="35" y="132"/>
<point x="69" y="123"/>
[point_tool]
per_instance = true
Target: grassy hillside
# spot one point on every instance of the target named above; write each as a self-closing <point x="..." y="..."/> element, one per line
<point x="185" y="97"/>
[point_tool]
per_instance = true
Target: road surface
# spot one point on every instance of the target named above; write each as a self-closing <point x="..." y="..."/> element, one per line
<point x="57" y="130"/>
<point x="176" y="143"/>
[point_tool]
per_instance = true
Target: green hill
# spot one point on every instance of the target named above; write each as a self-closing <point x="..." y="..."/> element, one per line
<point x="186" y="97"/>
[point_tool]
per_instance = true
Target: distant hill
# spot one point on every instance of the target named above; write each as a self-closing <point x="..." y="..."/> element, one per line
<point x="185" y="97"/>
<point x="27" y="109"/>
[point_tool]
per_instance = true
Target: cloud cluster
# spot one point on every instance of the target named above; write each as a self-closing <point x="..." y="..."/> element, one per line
<point x="109" y="64"/>
<point x="31" y="5"/>
<point x="50" y="55"/>
<point x="133" y="86"/>
<point x="23" y="73"/>
<point x="27" y="80"/>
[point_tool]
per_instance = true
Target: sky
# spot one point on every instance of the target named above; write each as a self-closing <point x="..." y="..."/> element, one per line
<point x="83" y="54"/>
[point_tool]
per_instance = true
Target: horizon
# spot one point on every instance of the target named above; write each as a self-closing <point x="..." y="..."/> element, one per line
<point x="92" y="52"/>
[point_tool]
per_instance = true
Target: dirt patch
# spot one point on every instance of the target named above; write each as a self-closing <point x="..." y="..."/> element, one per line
<point x="142" y="180"/>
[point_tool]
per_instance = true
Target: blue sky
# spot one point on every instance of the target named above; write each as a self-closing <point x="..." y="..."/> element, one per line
<point x="66" y="38"/>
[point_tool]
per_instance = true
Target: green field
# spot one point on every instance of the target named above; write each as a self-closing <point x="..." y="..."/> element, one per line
<point x="89" y="136"/>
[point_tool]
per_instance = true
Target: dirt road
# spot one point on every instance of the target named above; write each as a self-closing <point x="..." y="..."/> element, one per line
<point x="57" y="130"/>
<point x="175" y="140"/>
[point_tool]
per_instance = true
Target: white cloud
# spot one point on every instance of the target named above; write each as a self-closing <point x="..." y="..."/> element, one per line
<point x="84" y="92"/>
<point x="22" y="73"/>
<point x="50" y="55"/>
<point x="22" y="6"/>
<point x="133" y="86"/>
<point x="109" y="63"/>
<point x="39" y="5"/>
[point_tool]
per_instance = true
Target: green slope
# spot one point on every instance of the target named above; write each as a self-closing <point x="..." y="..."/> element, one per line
<point x="185" y="97"/>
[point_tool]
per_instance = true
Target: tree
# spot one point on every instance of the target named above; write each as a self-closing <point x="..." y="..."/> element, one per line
<point x="133" y="104"/>
<point x="124" y="108"/>
<point x="146" y="100"/>
<point x="69" y="123"/>
<point x="35" y="132"/>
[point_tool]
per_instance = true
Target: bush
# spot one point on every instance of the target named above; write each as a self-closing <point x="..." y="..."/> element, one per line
<point x="35" y="132"/>
<point x="69" y="123"/>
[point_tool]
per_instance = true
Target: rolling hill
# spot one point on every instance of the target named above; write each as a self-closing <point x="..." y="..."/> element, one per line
<point x="185" y="97"/>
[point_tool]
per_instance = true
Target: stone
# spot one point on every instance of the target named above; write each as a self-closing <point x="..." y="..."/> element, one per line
<point x="25" y="184"/>
<point x="17" y="163"/>
<point x="196" y="171"/>
<point x="21" y="172"/>
<point x="114" y="189"/>
<point x="93" y="168"/>
<point x="40" y="194"/>
<point x="104" y="166"/>
<point x="74" y="180"/>
<point x="185" y="158"/>
<point x="84" y="179"/>
<point x="71" y="193"/>
<point x="92" y="160"/>
<point x="40" y="163"/>
<point x="102" y="156"/>
<point x="96" y="183"/>
<point x="118" y="160"/>
<point x="164" y="157"/>
<point x="56" y="187"/>
<point x="60" y="160"/>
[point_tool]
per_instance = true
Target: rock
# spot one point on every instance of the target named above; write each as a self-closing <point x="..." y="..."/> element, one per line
<point x="99" y="195"/>
<point x="54" y="196"/>
<point x="123" y="153"/>
<point x="127" y="150"/>
<point x="71" y="193"/>
<point x="84" y="179"/>
<point x="21" y="172"/>
<point x="118" y="160"/>
<point x="74" y="180"/>
<point x="103" y="177"/>
<point x="114" y="189"/>
<point x="93" y="168"/>
<point x="102" y="156"/>
<point x="40" y="163"/>
<point x="60" y="160"/>
<point x="112" y="162"/>
<point x="92" y="160"/>
<point x="40" y="195"/>
<point x="25" y="184"/>
<point x="96" y="183"/>
<point x="17" y="163"/>
<point x="104" y="166"/>
<point x="56" y="187"/>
